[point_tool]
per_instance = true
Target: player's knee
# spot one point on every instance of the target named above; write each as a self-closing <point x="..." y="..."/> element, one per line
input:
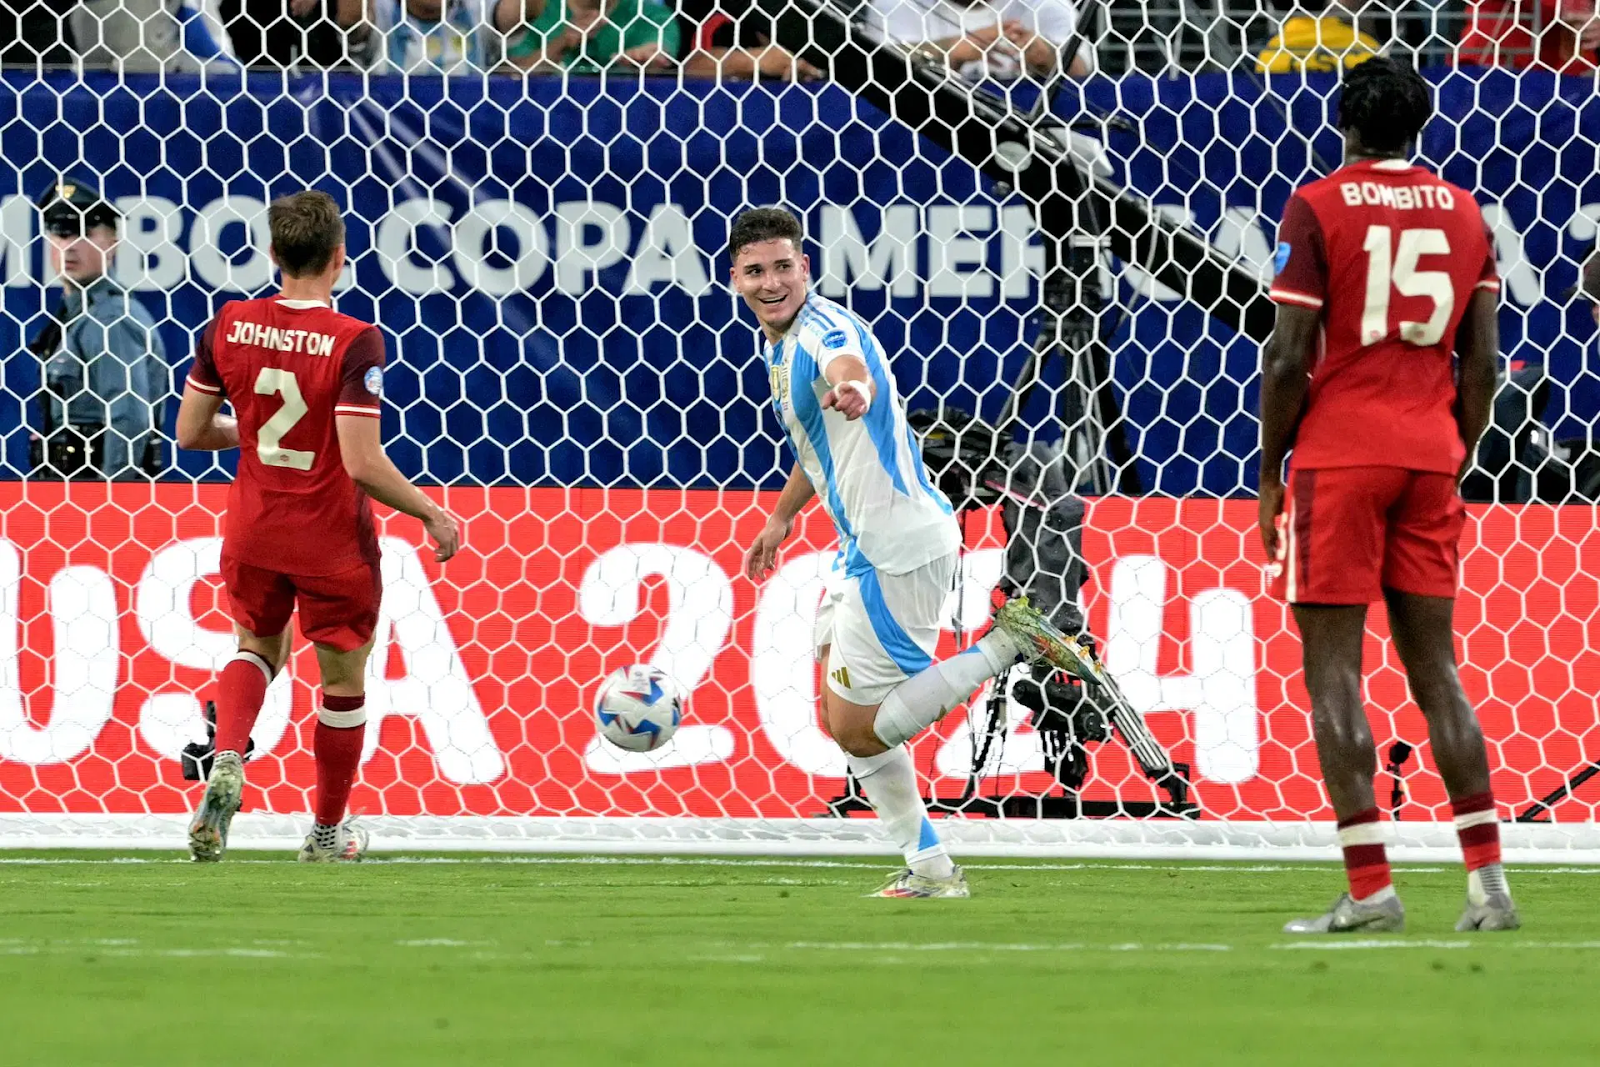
<point x="855" y="735"/>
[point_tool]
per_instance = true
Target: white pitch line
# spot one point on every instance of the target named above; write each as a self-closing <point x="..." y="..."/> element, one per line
<point x="997" y="946"/>
<point x="1370" y="943"/>
<point x="758" y="862"/>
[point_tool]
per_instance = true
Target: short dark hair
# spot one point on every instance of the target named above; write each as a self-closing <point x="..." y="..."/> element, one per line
<point x="1386" y="101"/>
<point x="763" y="224"/>
<point x="306" y="229"/>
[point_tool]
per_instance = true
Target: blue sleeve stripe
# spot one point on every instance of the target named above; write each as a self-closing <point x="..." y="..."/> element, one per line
<point x="879" y="418"/>
<point x="922" y="473"/>
<point x="811" y="306"/>
<point x="809" y="412"/>
<point x="906" y="653"/>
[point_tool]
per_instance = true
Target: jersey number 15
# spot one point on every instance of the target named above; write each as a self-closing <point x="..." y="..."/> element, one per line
<point x="1388" y="269"/>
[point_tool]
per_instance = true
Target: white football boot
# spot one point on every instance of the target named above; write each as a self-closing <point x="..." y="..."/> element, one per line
<point x="910" y="885"/>
<point x="350" y="845"/>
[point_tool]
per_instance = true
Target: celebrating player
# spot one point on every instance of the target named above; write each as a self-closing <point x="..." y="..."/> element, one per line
<point x="880" y="621"/>
<point x="305" y="383"/>
<point x="1388" y="270"/>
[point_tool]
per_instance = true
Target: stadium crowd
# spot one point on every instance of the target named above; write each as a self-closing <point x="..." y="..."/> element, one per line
<point x="701" y="38"/>
<point x="981" y="39"/>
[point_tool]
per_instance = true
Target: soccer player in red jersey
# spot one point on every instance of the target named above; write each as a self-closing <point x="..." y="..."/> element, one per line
<point x="1379" y="375"/>
<point x="305" y="383"/>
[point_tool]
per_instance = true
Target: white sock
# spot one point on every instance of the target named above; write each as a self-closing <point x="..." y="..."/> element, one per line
<point x="1377" y="898"/>
<point x="1488" y="880"/>
<point x="927" y="696"/>
<point x="890" y="783"/>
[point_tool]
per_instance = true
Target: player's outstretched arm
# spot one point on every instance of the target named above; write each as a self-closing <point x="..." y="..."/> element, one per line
<point x="1285" y="366"/>
<point x="762" y="555"/>
<point x="852" y="389"/>
<point x="371" y="469"/>
<point x="201" y="425"/>
<point x="1478" y="345"/>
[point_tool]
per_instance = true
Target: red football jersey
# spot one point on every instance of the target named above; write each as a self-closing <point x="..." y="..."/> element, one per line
<point x="1391" y="254"/>
<point x="290" y="367"/>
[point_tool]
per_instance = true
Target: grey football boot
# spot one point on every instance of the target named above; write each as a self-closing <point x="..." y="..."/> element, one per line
<point x="1495" y="913"/>
<point x="1347" y="916"/>
<point x="208" y="830"/>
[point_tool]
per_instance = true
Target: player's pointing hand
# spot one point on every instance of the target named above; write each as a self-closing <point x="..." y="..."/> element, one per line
<point x="851" y="399"/>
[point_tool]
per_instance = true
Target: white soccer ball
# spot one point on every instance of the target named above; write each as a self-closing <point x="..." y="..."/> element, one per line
<point x="638" y="708"/>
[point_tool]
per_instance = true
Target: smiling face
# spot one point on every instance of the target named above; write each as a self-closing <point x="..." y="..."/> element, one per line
<point x="772" y="276"/>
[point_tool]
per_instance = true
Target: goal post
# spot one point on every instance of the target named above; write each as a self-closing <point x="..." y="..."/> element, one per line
<point x="569" y="373"/>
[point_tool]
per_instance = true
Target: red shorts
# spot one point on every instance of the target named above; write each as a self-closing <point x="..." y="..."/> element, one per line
<point x="338" y="610"/>
<point x="1349" y="533"/>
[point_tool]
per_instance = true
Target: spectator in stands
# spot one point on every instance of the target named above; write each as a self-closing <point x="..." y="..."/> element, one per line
<point x="1325" y="38"/>
<point x="733" y="39"/>
<point x="36" y="31"/>
<point x="318" y="33"/>
<point x="453" y="36"/>
<point x="130" y="35"/>
<point x="999" y="39"/>
<point x="588" y="36"/>
<point x="1563" y="35"/>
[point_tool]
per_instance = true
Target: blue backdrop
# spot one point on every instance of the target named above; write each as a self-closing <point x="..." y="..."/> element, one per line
<point x="547" y="259"/>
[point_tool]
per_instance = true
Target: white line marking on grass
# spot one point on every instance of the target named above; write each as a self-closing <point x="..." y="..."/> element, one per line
<point x="117" y="949"/>
<point x="1369" y="943"/>
<point x="1559" y="945"/>
<point x="998" y="946"/>
<point x="759" y="862"/>
<point x="440" y="942"/>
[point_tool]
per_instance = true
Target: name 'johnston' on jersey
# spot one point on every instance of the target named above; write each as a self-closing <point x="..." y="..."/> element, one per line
<point x="868" y="473"/>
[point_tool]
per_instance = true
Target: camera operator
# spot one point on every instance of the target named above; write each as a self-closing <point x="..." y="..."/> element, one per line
<point x="105" y="377"/>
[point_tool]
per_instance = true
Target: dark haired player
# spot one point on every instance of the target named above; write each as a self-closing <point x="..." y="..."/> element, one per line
<point x="878" y="628"/>
<point x="306" y="383"/>
<point x="1386" y="279"/>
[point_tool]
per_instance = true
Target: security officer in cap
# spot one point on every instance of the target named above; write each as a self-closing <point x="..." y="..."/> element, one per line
<point x="105" y="376"/>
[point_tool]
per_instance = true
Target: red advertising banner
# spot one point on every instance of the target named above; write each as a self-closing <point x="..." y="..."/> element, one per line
<point x="482" y="680"/>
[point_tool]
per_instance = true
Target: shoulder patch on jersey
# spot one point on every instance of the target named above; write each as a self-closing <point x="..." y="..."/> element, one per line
<point x="1280" y="258"/>
<point x="834" y="339"/>
<point x="374" y="381"/>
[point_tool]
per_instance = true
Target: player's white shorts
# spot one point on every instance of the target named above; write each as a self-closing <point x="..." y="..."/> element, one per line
<point x="882" y="628"/>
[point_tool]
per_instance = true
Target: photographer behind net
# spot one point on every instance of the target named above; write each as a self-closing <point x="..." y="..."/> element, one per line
<point x="104" y="378"/>
<point x="977" y="465"/>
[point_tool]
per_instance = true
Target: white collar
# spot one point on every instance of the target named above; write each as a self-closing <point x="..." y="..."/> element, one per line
<point x="302" y="305"/>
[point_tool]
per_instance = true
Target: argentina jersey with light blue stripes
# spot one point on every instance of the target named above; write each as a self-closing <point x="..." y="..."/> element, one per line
<point x="868" y="473"/>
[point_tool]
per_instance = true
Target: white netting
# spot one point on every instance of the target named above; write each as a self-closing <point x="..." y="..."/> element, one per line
<point x="545" y="254"/>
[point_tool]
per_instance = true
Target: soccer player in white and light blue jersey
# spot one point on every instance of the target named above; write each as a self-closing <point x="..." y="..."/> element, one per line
<point x="898" y="542"/>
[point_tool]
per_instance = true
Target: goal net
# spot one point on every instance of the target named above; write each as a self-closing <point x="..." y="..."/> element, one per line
<point x="569" y="372"/>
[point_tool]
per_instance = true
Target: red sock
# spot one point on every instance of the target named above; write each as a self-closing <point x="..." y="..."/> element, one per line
<point x="341" y="727"/>
<point x="241" y="689"/>
<point x="1366" y="863"/>
<point x="1478" y="828"/>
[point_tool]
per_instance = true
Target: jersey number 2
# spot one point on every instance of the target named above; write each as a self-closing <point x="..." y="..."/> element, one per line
<point x="1386" y="270"/>
<point x="269" y="438"/>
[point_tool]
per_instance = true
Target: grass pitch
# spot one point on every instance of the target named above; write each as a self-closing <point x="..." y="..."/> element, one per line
<point x="542" y="960"/>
